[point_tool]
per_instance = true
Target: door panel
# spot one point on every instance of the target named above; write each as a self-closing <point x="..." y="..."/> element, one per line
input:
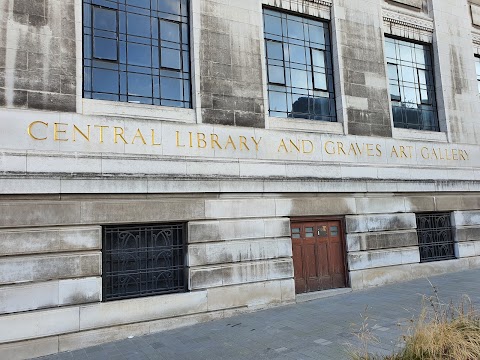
<point x="318" y="256"/>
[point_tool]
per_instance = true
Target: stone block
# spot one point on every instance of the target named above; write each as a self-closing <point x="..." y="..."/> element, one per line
<point x="465" y="218"/>
<point x="47" y="267"/>
<point x="380" y="258"/>
<point x="236" y="251"/>
<point x="315" y="206"/>
<point x="28" y="213"/>
<point x="288" y="290"/>
<point x="381" y="240"/>
<point x="49" y="240"/>
<point x="29" y="349"/>
<point x="380" y="222"/>
<point x="251" y="295"/>
<point x="141" y="309"/>
<point x="467" y="249"/>
<point x="386" y="275"/>
<point x="79" y="291"/>
<point x="419" y="203"/>
<point x="38" y="324"/>
<point x="225" y="230"/>
<point x="237" y="208"/>
<point x="277" y="227"/>
<point x="374" y="205"/>
<point x="28" y="297"/>
<point x="240" y="273"/>
<point x="141" y="211"/>
<point x="470" y="233"/>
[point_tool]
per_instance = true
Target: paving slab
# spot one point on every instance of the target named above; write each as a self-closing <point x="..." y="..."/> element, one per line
<point x="321" y="329"/>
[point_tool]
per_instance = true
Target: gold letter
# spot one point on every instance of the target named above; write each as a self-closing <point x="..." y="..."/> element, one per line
<point x="332" y="149"/>
<point x="178" y="139"/>
<point x="118" y="134"/>
<point x="340" y="148"/>
<point x="427" y="156"/>
<point x="282" y="145"/>
<point x="87" y="137"/>
<point x="153" y="139"/>
<point x="394" y="151"/>
<point x="257" y="143"/>
<point x="139" y="135"/>
<point x="201" y="143"/>
<point x="214" y="141"/>
<point x="293" y="145"/>
<point x="303" y="146"/>
<point x="243" y="142"/>
<point x="230" y="141"/>
<point x="29" y="130"/>
<point x="455" y="154"/>
<point x="370" y="149"/>
<point x="101" y="131"/>
<point x="57" y="131"/>
<point x="379" y="150"/>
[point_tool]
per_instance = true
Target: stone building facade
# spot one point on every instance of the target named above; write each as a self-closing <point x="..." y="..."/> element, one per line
<point x="168" y="162"/>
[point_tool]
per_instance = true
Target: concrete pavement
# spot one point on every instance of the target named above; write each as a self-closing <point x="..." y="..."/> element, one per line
<point x="318" y="329"/>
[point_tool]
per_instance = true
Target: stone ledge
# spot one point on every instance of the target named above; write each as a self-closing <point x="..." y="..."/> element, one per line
<point x="19" y="269"/>
<point x="381" y="240"/>
<point x="48" y="294"/>
<point x="241" y="273"/>
<point x="380" y="258"/>
<point x="49" y="240"/>
<point x="380" y="222"/>
<point x="238" y="251"/>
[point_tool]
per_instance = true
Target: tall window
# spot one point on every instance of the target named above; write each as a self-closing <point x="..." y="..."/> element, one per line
<point x="137" y="51"/>
<point x="299" y="63"/>
<point x="477" y="67"/>
<point x="412" y="89"/>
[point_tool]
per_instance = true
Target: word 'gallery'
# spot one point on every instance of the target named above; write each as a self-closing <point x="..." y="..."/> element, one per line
<point x="167" y="162"/>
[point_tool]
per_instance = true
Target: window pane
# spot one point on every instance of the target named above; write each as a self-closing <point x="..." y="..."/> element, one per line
<point x="318" y="58"/>
<point x="299" y="78"/>
<point x="139" y="55"/>
<point x="275" y="50"/>
<point x="140" y="3"/>
<point x="170" y="58"/>
<point x="104" y="19"/>
<point x="320" y="81"/>
<point x="276" y="74"/>
<point x="295" y="29"/>
<point x="139" y="84"/>
<point x="392" y="72"/>
<point x="273" y="25"/>
<point x="278" y="101"/>
<point x="171" y="89"/>
<point x="104" y="81"/>
<point x="317" y="34"/>
<point x="138" y="25"/>
<point x="169" y="6"/>
<point x="104" y="48"/>
<point x="169" y="31"/>
<point x="297" y="54"/>
<point x="300" y="104"/>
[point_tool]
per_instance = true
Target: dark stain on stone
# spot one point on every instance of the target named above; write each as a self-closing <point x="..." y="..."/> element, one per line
<point x="457" y="70"/>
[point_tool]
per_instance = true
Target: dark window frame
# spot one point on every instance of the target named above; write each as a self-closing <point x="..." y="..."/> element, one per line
<point x="477" y="70"/>
<point x="286" y="100"/>
<point x="420" y="114"/>
<point x="141" y="78"/>
<point x="143" y="260"/>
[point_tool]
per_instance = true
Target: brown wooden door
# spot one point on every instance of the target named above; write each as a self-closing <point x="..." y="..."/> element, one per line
<point x="318" y="256"/>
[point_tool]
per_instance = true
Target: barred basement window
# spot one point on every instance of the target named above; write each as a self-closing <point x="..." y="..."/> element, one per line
<point x="299" y="67"/>
<point x="435" y="238"/>
<point x="143" y="260"/>
<point x="137" y="51"/>
<point x="412" y="89"/>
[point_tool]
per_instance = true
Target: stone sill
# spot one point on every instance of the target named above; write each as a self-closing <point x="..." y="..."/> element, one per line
<point x="306" y="125"/>
<point x="131" y="110"/>
<point x="410" y="134"/>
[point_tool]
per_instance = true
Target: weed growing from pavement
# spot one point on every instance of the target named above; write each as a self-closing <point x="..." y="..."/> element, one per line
<point x="442" y="331"/>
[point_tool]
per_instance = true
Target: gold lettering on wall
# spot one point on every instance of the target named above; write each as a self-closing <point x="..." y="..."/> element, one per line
<point x="77" y="130"/>
<point x="59" y="132"/>
<point x="30" y="128"/>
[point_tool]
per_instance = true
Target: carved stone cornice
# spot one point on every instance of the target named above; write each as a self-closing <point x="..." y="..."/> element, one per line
<point x="320" y="2"/>
<point x="408" y="21"/>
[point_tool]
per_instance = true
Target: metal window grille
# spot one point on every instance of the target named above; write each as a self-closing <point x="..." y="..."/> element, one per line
<point x="435" y="237"/>
<point x="143" y="260"/>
